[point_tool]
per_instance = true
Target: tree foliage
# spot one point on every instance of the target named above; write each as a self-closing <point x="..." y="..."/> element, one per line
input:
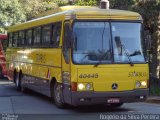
<point x="122" y="4"/>
<point x="149" y="10"/>
<point x="86" y="2"/>
<point x="34" y="7"/>
<point x="11" y="12"/>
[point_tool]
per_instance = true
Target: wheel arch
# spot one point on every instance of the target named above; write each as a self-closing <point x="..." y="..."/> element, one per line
<point x="14" y="75"/>
<point x="20" y="71"/>
<point x="52" y="83"/>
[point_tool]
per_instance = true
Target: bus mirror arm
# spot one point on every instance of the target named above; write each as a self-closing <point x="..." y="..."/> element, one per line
<point x="69" y="41"/>
<point x="148" y="43"/>
<point x="69" y="44"/>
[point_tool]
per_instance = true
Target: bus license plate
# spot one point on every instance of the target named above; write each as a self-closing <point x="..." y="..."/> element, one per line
<point x="113" y="100"/>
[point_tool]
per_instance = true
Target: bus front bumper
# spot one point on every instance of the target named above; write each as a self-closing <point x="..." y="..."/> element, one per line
<point x="92" y="98"/>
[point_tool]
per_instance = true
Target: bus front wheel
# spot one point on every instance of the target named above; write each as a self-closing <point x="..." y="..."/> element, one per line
<point x="22" y="86"/>
<point x="18" y="81"/>
<point x="58" y="96"/>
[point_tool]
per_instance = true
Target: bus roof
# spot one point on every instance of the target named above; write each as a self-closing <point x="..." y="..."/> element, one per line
<point x="76" y="12"/>
<point x="3" y="36"/>
<point x="60" y="9"/>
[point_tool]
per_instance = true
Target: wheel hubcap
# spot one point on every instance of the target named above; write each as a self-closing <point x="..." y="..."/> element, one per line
<point x="58" y="93"/>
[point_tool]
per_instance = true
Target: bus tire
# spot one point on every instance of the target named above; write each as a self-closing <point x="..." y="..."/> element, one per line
<point x="23" y="88"/>
<point x="18" y="81"/>
<point x="58" y="96"/>
<point x="14" y="76"/>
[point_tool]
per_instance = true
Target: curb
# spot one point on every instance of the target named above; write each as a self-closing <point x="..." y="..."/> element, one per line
<point x="153" y="100"/>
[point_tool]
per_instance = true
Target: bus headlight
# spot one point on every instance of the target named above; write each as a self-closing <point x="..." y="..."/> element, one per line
<point x="144" y="83"/>
<point x="84" y="86"/>
<point x="141" y="84"/>
<point x="81" y="86"/>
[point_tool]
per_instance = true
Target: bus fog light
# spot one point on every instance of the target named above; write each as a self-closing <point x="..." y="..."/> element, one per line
<point x="138" y="84"/>
<point x="81" y="86"/>
<point x="144" y="83"/>
<point x="88" y="86"/>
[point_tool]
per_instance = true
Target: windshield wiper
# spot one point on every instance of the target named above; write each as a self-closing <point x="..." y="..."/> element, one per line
<point x="127" y="54"/>
<point x="119" y="43"/>
<point x="101" y="58"/>
<point x="136" y="53"/>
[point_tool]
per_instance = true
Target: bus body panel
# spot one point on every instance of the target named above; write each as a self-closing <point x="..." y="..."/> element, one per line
<point x="103" y="77"/>
<point x="43" y="63"/>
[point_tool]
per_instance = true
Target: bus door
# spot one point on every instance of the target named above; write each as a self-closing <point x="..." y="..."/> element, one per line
<point x="66" y="62"/>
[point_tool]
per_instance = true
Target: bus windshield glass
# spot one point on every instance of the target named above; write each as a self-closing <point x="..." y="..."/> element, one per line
<point x="127" y="42"/>
<point x="92" y="43"/>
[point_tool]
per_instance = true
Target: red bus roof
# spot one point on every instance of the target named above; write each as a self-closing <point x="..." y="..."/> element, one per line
<point x="3" y="36"/>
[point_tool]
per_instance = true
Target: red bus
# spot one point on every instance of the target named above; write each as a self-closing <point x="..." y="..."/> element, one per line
<point x="3" y="69"/>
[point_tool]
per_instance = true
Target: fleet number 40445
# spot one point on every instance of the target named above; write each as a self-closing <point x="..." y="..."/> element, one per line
<point x="95" y="75"/>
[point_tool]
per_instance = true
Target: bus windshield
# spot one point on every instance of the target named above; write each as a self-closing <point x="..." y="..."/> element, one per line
<point x="127" y="42"/>
<point x="94" y="43"/>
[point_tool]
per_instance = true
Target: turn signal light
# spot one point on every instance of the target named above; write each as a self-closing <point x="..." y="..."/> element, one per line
<point x="74" y="86"/>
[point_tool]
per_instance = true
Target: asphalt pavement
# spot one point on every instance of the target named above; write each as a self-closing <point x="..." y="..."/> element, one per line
<point x="38" y="107"/>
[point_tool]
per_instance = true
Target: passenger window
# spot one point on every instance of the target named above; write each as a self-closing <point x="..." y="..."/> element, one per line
<point x="46" y="35"/>
<point x="37" y="36"/>
<point x="21" y="39"/>
<point x="15" y="38"/>
<point x="10" y="39"/>
<point x="28" y="38"/>
<point x="56" y="35"/>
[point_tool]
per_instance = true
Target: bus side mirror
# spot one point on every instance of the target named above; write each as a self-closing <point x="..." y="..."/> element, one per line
<point x="68" y="44"/>
<point x="148" y="47"/>
<point x="148" y="43"/>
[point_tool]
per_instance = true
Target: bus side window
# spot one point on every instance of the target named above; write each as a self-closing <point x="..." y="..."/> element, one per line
<point x="15" y="38"/>
<point x="10" y="37"/>
<point x="37" y="37"/>
<point x="28" y="38"/>
<point x="46" y="35"/>
<point x="21" y="38"/>
<point x="56" y="34"/>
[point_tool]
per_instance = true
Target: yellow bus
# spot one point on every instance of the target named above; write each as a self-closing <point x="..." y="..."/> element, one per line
<point x="81" y="56"/>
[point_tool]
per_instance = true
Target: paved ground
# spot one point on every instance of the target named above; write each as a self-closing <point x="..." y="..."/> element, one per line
<point x="36" y="106"/>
